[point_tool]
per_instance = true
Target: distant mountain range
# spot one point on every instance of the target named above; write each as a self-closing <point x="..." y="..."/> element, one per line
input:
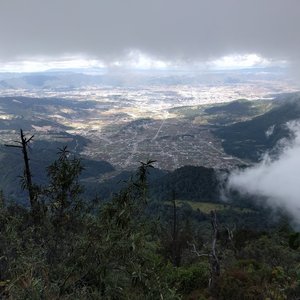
<point x="56" y="79"/>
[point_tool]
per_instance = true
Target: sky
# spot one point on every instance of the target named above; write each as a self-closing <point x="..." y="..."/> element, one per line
<point x="155" y="34"/>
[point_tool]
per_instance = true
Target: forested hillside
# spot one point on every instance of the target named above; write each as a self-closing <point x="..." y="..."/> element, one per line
<point x="65" y="246"/>
<point x="252" y="138"/>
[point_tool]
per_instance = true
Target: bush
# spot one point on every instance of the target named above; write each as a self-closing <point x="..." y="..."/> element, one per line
<point x="187" y="279"/>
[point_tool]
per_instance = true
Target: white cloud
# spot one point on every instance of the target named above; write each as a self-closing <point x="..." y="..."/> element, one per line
<point x="278" y="180"/>
<point x="135" y="60"/>
<point x="238" y="61"/>
<point x="46" y="63"/>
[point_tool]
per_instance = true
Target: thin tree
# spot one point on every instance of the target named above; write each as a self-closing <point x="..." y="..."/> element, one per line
<point x="23" y="144"/>
<point x="213" y="254"/>
<point x="214" y="260"/>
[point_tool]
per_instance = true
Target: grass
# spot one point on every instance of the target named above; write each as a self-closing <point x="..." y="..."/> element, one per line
<point x="207" y="207"/>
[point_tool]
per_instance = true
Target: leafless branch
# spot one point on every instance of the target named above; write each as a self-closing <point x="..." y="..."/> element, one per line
<point x="195" y="251"/>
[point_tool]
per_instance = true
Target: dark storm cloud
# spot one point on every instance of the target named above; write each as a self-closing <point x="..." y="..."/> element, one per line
<point x="172" y="29"/>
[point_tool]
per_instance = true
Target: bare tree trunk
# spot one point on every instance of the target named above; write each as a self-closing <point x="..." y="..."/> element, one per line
<point x="214" y="260"/>
<point x="28" y="177"/>
<point x="213" y="255"/>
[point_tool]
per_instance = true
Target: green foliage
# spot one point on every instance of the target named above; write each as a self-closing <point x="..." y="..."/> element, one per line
<point x="64" y="187"/>
<point x="119" y="250"/>
<point x="265" y="270"/>
<point x="294" y="240"/>
<point x="76" y="254"/>
<point x="189" y="278"/>
<point x="188" y="183"/>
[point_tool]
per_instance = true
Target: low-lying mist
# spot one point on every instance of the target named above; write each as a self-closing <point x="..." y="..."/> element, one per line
<point x="277" y="179"/>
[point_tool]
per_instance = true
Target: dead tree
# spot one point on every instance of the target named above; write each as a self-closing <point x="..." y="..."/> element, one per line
<point x="214" y="260"/>
<point x="213" y="254"/>
<point x="23" y="144"/>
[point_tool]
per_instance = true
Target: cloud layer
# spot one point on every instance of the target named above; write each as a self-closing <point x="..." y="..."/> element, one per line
<point x="169" y="29"/>
<point x="278" y="180"/>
